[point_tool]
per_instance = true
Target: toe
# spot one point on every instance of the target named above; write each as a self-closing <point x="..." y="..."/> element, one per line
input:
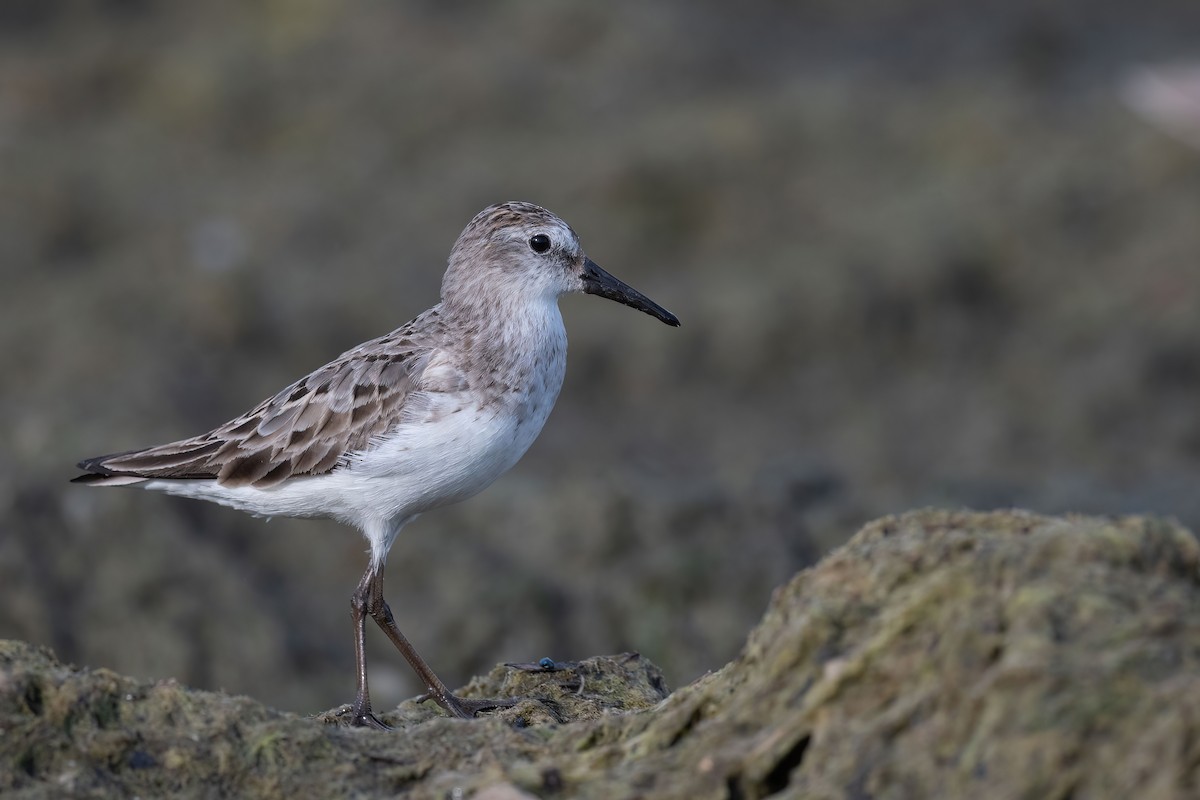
<point x="366" y="719"/>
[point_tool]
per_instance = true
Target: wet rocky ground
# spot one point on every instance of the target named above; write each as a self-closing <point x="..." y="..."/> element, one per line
<point x="936" y="654"/>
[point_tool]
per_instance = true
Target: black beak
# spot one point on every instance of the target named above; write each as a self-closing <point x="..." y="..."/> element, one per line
<point x="597" y="281"/>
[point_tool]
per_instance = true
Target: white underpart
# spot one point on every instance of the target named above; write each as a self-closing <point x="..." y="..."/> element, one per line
<point x="449" y="446"/>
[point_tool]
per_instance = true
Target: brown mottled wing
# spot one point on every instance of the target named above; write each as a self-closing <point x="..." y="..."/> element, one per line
<point x="304" y="430"/>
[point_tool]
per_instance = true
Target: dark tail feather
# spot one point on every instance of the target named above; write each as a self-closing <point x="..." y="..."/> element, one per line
<point x="178" y="460"/>
<point x="92" y="479"/>
<point x="96" y="474"/>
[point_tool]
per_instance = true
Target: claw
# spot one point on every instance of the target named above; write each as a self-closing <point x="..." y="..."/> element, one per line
<point x="364" y="717"/>
<point x="468" y="707"/>
<point x="544" y="665"/>
<point x="369" y="720"/>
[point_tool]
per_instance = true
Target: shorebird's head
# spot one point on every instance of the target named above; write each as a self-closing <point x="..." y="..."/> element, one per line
<point x="520" y="248"/>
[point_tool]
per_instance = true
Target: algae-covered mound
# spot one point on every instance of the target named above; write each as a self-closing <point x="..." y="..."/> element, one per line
<point x="937" y="654"/>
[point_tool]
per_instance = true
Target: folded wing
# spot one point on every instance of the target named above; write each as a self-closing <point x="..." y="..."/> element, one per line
<point x="309" y="428"/>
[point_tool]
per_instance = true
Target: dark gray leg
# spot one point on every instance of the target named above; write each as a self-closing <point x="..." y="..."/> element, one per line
<point x="368" y="600"/>
<point x="361" y="710"/>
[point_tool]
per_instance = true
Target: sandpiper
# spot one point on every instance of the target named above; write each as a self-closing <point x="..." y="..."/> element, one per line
<point x="425" y="416"/>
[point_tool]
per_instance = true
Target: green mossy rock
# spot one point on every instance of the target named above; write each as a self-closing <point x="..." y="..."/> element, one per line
<point x="937" y="654"/>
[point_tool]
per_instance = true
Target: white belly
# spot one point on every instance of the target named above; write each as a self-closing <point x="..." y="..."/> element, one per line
<point x="455" y="453"/>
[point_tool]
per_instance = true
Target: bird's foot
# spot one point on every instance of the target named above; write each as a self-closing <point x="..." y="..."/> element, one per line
<point x="544" y="665"/>
<point x="468" y="707"/>
<point x="361" y="716"/>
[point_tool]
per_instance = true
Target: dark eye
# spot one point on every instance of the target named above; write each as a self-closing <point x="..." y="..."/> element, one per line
<point x="539" y="243"/>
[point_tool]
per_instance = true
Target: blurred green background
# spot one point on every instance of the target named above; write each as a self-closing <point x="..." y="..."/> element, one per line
<point x="924" y="253"/>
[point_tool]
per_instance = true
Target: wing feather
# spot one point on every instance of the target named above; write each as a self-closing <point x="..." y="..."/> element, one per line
<point x="309" y="428"/>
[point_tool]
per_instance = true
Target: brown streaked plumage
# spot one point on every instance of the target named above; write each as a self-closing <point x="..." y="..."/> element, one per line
<point x="306" y="429"/>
